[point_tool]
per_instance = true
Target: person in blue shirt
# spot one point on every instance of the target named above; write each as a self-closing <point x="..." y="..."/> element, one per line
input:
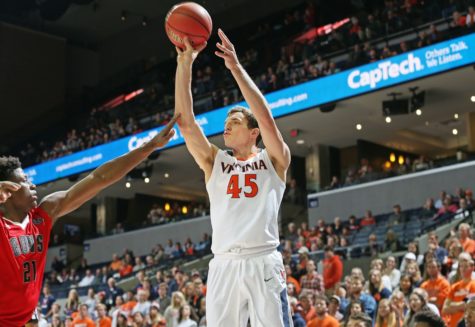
<point x="356" y="293"/>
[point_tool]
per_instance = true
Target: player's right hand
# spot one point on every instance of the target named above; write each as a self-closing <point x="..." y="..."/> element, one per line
<point x="6" y="190"/>
<point x="188" y="55"/>
<point x="162" y="138"/>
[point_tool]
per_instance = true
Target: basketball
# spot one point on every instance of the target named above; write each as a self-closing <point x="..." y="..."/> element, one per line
<point x="188" y="19"/>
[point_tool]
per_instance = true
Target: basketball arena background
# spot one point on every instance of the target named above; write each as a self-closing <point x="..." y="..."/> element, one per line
<point x="375" y="99"/>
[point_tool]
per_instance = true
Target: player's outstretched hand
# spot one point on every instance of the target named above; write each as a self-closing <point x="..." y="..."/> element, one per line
<point x="6" y="190"/>
<point x="227" y="51"/>
<point x="162" y="138"/>
<point x="189" y="54"/>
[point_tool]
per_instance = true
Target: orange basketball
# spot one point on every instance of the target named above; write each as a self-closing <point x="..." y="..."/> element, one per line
<point x="188" y="19"/>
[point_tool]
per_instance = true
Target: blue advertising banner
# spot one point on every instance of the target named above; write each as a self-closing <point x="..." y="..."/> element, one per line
<point x="402" y="68"/>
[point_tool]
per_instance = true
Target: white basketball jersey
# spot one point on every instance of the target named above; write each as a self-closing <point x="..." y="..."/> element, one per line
<point x="245" y="197"/>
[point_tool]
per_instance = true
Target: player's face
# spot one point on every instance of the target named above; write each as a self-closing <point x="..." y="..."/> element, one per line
<point x="236" y="132"/>
<point x="26" y="197"/>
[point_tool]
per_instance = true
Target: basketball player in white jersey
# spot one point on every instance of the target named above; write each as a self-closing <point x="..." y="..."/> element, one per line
<point x="246" y="278"/>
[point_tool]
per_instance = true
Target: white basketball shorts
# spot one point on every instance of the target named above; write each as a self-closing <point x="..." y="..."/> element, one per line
<point x="240" y="288"/>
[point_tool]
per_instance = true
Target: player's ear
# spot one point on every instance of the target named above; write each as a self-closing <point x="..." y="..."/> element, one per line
<point x="255" y="132"/>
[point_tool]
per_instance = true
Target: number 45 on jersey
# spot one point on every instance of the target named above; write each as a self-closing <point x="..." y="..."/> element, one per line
<point x="249" y="189"/>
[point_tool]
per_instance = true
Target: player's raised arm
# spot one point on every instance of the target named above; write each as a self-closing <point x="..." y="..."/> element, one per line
<point x="200" y="148"/>
<point x="61" y="203"/>
<point x="271" y="136"/>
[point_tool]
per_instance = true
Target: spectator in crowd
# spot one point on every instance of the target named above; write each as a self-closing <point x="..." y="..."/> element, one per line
<point x="172" y="312"/>
<point x="334" y="308"/>
<point x="112" y="291"/>
<point x="428" y="318"/>
<point x="397" y="217"/>
<point x="386" y="316"/>
<point x="356" y="293"/>
<point x="47" y="302"/>
<point x="392" y="272"/>
<point x="332" y="271"/>
<point x="312" y="281"/>
<point x="392" y="242"/>
<point x="116" y="264"/>
<point x="184" y="319"/>
<point x="436" y="286"/>
<point x="376" y="286"/>
<point x="428" y="210"/>
<point x="102" y="319"/>
<point x="368" y="219"/>
<point x="87" y="280"/>
<point x="465" y="239"/>
<point x="83" y="319"/>
<point x="163" y="299"/>
<point x="322" y="318"/>
<point x="308" y="311"/>
<point x="406" y="285"/>
<point x="72" y="302"/>
<point x="417" y="304"/>
<point x="454" y="305"/>
<point x="143" y="304"/>
<point x="439" y="252"/>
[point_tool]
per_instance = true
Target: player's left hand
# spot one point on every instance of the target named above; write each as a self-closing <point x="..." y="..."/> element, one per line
<point x="162" y="138"/>
<point x="6" y="190"/>
<point x="227" y="51"/>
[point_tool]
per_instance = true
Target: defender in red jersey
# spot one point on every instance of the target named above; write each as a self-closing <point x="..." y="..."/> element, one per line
<point x="25" y="226"/>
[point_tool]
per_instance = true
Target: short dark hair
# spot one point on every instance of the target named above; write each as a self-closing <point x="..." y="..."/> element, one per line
<point x="429" y="317"/>
<point x="8" y="166"/>
<point x="321" y="298"/>
<point x="251" y="119"/>
<point x="328" y="248"/>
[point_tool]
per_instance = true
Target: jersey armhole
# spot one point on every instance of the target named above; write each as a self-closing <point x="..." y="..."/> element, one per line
<point x="271" y="164"/>
<point x="45" y="216"/>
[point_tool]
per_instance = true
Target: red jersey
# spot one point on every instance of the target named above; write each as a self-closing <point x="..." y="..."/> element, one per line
<point x="22" y="261"/>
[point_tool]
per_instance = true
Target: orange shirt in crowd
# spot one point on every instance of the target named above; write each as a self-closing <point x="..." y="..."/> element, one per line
<point x="327" y="321"/>
<point x="438" y="288"/>
<point x="125" y="270"/>
<point x="116" y="265"/>
<point x="296" y="283"/>
<point x="105" y="322"/>
<point x="458" y="292"/>
<point x="309" y="315"/>
<point x="86" y="322"/>
<point x="128" y="306"/>
<point x="468" y="246"/>
<point x="332" y="272"/>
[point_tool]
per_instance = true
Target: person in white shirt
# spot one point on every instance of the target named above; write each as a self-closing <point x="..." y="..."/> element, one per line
<point x="88" y="279"/>
<point x="392" y="272"/>
<point x="184" y="320"/>
<point x="143" y="305"/>
<point x="245" y="187"/>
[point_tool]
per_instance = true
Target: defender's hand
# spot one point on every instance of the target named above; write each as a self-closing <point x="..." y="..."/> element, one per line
<point x="162" y="138"/>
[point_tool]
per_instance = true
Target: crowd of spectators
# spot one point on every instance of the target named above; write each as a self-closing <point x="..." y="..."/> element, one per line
<point x="433" y="286"/>
<point x="159" y="215"/>
<point x="367" y="172"/>
<point x="290" y="63"/>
